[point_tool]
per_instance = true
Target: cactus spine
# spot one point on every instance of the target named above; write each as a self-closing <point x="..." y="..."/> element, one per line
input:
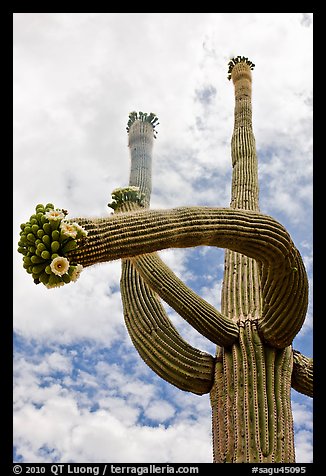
<point x="264" y="293"/>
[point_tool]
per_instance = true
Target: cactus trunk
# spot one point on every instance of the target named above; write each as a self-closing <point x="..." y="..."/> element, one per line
<point x="251" y="402"/>
<point x="251" y="395"/>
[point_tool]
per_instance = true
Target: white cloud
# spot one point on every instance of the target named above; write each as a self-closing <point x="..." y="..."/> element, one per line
<point x="213" y="294"/>
<point x="160" y="411"/>
<point x="49" y="315"/>
<point x="176" y="259"/>
<point x="302" y="416"/>
<point x="60" y="418"/>
<point x="304" y="447"/>
<point x="57" y="422"/>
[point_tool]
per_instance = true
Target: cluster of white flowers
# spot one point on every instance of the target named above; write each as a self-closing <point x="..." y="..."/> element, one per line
<point x="125" y="194"/>
<point x="72" y="229"/>
<point x="55" y="215"/>
<point x="60" y="266"/>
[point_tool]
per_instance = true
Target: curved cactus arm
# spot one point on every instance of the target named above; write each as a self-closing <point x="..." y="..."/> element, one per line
<point x="157" y="341"/>
<point x="125" y="235"/>
<point x="153" y="334"/>
<point x="302" y="374"/>
<point x="195" y="310"/>
<point x="253" y="234"/>
<point x="285" y="300"/>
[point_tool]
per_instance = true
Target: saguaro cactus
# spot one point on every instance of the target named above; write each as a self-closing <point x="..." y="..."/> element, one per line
<point x="264" y="294"/>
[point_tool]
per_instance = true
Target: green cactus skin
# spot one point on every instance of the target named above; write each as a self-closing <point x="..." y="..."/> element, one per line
<point x="253" y="234"/>
<point x="252" y="419"/>
<point x="264" y="293"/>
<point x="191" y="307"/>
<point x="156" y="339"/>
<point x="302" y="374"/>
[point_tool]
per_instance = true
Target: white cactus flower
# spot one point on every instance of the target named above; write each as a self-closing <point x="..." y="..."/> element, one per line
<point x="59" y="265"/>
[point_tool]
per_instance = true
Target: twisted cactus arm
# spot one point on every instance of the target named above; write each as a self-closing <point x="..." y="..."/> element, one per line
<point x="158" y="342"/>
<point x="251" y="233"/>
<point x="144" y="231"/>
<point x="285" y="301"/>
<point x="151" y="331"/>
<point x="302" y="374"/>
<point x="195" y="310"/>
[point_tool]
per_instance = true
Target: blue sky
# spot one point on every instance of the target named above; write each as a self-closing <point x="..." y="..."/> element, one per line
<point x="81" y="392"/>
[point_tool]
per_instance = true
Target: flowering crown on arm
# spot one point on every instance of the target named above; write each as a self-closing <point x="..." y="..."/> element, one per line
<point x="44" y="241"/>
<point x="151" y="118"/>
<point x="239" y="59"/>
<point x="126" y="194"/>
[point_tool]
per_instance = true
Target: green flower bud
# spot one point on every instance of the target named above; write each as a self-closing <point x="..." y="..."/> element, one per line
<point x="31" y="237"/>
<point x="47" y="228"/>
<point x="32" y="249"/>
<point x="55" y="235"/>
<point x="29" y="269"/>
<point x="43" y="219"/>
<point x="53" y="279"/>
<point x="55" y="245"/>
<point x="39" y="216"/>
<point x="38" y="268"/>
<point x="36" y="259"/>
<point x="46" y="240"/>
<point x="44" y="278"/>
<point x="45" y="254"/>
<point x="54" y="224"/>
<point x="48" y="269"/>
<point x="27" y="260"/>
<point x="41" y="247"/>
<point x="40" y="233"/>
<point x="66" y="278"/>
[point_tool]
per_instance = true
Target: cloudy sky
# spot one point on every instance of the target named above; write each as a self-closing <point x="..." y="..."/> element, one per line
<point x="81" y="392"/>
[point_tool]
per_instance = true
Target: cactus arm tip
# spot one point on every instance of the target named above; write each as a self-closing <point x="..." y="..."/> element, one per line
<point x="150" y="118"/>
<point x="302" y="374"/>
<point x="45" y="240"/>
<point x="238" y="59"/>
